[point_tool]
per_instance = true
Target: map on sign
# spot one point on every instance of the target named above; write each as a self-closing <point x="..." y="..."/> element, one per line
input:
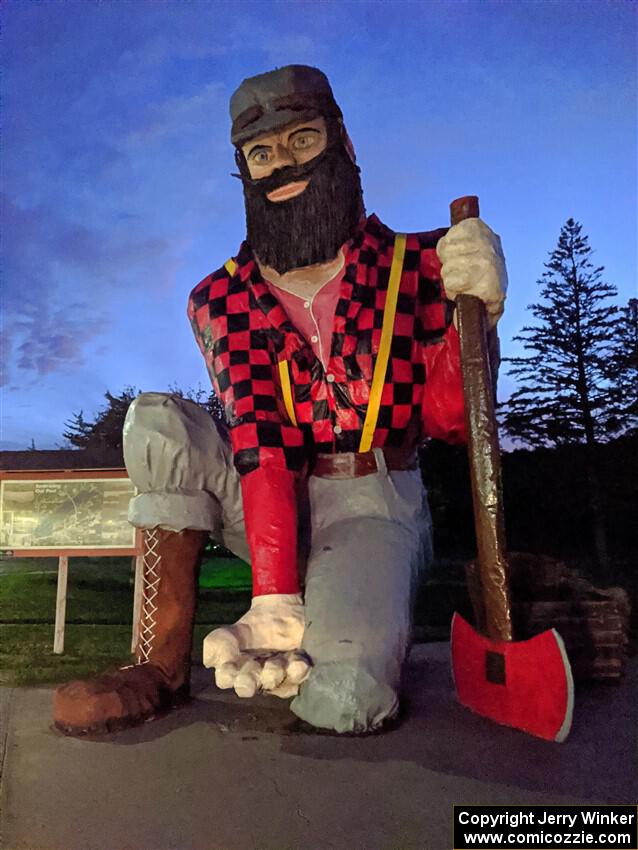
<point x="66" y="513"/>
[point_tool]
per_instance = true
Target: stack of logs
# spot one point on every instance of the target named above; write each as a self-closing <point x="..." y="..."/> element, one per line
<point x="593" y="623"/>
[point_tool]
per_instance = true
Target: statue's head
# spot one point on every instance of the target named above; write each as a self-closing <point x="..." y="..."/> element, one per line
<point x="301" y="185"/>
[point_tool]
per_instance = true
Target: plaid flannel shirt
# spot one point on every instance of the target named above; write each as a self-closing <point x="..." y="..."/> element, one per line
<point x="244" y="333"/>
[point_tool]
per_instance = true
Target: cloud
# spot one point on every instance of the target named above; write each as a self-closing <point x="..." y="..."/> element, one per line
<point x="180" y="114"/>
<point x="65" y="280"/>
<point x="6" y="344"/>
<point x="54" y="341"/>
<point x="161" y="49"/>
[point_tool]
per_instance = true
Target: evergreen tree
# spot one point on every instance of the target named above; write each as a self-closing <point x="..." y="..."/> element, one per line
<point x="208" y="400"/>
<point x="625" y="366"/>
<point x="566" y="380"/>
<point x="567" y="393"/>
<point x="78" y="430"/>
<point x="105" y="431"/>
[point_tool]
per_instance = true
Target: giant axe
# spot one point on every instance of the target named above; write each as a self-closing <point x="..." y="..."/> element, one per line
<point x="525" y="684"/>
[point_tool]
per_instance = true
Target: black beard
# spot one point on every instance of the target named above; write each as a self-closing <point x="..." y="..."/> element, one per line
<point x="311" y="227"/>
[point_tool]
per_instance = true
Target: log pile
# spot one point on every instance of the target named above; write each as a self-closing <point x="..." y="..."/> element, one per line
<point x="593" y="623"/>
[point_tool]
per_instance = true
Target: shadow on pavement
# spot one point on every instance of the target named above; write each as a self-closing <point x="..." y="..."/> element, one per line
<point x="597" y="762"/>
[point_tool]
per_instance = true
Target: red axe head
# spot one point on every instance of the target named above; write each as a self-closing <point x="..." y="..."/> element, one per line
<point x="524" y="684"/>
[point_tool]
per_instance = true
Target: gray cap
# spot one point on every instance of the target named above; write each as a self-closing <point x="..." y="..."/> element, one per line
<point x="270" y="101"/>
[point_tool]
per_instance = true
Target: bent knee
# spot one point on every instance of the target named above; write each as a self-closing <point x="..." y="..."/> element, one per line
<point x="171" y="443"/>
<point x="167" y="416"/>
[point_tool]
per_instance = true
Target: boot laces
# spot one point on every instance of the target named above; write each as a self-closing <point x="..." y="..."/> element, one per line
<point x="150" y="589"/>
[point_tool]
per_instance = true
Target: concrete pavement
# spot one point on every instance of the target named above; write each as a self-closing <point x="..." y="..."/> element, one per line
<point x="228" y="774"/>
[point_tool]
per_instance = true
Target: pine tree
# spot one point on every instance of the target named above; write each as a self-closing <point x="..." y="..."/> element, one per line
<point x="566" y="392"/>
<point x="206" y="399"/>
<point x="105" y="431"/>
<point x="78" y="430"/>
<point x="625" y="366"/>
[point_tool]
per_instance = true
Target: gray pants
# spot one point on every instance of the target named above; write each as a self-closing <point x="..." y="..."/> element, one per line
<point x="370" y="539"/>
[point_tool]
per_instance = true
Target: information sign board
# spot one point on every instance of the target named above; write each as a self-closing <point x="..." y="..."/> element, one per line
<point x="69" y="512"/>
<point x="76" y="513"/>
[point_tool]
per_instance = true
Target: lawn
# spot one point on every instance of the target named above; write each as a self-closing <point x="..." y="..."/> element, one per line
<point x="99" y="613"/>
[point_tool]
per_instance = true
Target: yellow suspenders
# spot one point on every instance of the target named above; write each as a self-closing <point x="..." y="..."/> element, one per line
<point x="381" y="366"/>
<point x="383" y="355"/>
<point x="286" y="389"/>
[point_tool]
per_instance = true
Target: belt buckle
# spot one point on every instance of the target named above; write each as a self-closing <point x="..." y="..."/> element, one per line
<point x="345" y="465"/>
<point x="351" y="464"/>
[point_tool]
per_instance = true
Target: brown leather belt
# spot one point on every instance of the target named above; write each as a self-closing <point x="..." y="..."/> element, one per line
<point x="356" y="464"/>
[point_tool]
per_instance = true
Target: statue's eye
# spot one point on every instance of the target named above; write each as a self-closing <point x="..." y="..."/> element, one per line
<point x="304" y="141"/>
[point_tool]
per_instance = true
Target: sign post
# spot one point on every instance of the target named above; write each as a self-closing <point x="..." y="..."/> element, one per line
<point x="137" y="599"/>
<point x="60" y="604"/>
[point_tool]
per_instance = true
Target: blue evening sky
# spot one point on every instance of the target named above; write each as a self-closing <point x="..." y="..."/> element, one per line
<point x="116" y="160"/>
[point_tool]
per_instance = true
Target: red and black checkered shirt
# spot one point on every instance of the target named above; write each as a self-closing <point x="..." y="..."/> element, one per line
<point x="243" y="333"/>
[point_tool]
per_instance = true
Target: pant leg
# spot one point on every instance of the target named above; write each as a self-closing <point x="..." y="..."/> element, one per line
<point x="371" y="537"/>
<point x="183" y="471"/>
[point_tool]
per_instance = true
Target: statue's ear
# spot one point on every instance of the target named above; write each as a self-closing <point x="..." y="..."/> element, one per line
<point x="242" y="165"/>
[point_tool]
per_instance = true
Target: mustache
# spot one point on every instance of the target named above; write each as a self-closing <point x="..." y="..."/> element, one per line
<point x="283" y="176"/>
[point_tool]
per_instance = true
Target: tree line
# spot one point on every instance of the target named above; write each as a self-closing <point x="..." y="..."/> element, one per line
<point x="578" y="375"/>
<point x="105" y="430"/>
<point x="576" y="395"/>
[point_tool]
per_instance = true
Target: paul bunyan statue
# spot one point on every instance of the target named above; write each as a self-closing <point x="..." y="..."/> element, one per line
<point x="331" y="342"/>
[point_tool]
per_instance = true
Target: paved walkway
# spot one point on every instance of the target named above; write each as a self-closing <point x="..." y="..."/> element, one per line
<point x="228" y="774"/>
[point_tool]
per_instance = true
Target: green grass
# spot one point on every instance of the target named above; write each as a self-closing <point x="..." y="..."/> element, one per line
<point x="27" y="659"/>
<point x="229" y="573"/>
<point x="100" y="603"/>
<point x="26" y="652"/>
<point x="100" y="590"/>
<point x="98" y="615"/>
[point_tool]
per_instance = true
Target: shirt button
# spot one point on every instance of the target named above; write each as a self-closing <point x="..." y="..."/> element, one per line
<point x="314" y="338"/>
<point x="330" y="378"/>
<point x="306" y="304"/>
<point x="337" y="429"/>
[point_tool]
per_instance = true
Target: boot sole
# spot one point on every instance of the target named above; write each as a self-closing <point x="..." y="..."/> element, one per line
<point x="119" y="724"/>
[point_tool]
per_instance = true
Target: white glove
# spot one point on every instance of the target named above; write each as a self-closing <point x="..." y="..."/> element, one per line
<point x="473" y="264"/>
<point x="261" y="651"/>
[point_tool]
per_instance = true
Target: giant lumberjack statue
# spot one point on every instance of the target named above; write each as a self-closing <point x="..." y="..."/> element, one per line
<point x="331" y="342"/>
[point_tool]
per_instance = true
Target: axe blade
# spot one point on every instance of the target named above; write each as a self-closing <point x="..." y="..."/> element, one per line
<point x="524" y="684"/>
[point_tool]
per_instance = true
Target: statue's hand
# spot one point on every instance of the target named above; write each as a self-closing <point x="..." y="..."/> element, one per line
<point x="261" y="651"/>
<point x="473" y="264"/>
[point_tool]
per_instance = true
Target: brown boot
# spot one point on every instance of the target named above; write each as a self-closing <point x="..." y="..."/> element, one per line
<point x="161" y="676"/>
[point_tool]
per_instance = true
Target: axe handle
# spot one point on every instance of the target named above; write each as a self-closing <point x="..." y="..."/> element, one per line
<point x="483" y="450"/>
